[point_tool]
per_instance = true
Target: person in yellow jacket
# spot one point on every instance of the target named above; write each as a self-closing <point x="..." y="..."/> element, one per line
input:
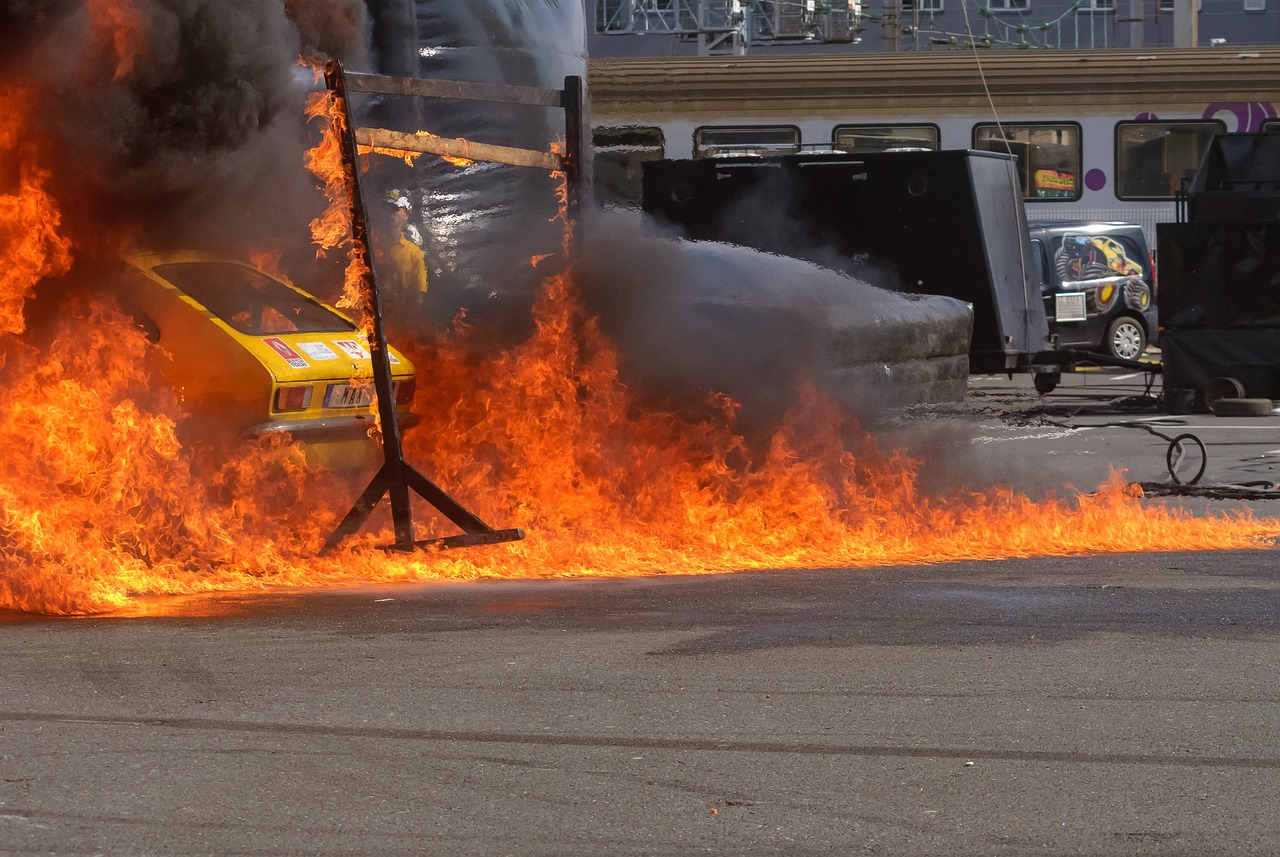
<point x="399" y="261"/>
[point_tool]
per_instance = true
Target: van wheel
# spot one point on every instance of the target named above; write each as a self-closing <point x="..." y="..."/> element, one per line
<point x="1046" y="382"/>
<point x="1126" y="338"/>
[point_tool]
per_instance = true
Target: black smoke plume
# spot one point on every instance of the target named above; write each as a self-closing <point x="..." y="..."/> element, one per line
<point x="178" y="122"/>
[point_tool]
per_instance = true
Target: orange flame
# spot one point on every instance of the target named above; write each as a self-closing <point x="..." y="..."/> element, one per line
<point x="333" y="228"/>
<point x="120" y="22"/>
<point x="456" y="161"/>
<point x="268" y="259"/>
<point x="100" y="503"/>
<point x="606" y="489"/>
<point x="29" y="221"/>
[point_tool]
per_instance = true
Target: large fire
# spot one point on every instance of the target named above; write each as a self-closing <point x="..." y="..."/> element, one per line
<point x="101" y="504"/>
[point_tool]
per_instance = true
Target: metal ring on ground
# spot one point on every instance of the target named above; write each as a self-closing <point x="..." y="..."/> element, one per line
<point x="1176" y="450"/>
<point x="1222" y="388"/>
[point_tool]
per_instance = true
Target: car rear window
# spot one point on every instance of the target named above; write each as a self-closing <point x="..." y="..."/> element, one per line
<point x="250" y="301"/>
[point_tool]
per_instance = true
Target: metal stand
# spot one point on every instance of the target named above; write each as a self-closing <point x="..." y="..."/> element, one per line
<point x="396" y="476"/>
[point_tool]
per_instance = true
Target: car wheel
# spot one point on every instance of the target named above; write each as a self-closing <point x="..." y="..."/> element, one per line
<point x="1046" y="382"/>
<point x="1126" y="339"/>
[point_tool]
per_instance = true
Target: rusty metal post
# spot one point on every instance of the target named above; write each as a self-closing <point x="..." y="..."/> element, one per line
<point x="396" y="476"/>
<point x="393" y="456"/>
<point x="572" y="161"/>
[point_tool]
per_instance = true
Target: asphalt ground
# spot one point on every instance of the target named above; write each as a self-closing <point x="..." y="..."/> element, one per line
<point x="1115" y="704"/>
<point x="1100" y="419"/>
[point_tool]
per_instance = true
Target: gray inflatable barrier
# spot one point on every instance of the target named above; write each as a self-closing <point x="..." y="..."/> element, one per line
<point x="692" y="317"/>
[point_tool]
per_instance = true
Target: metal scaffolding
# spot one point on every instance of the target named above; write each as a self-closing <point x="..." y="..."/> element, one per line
<point x="733" y="26"/>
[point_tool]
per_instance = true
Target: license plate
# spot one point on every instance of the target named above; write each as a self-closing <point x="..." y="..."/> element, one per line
<point x="349" y="396"/>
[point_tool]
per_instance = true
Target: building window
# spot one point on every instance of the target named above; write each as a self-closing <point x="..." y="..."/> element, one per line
<point x="883" y="138"/>
<point x="1255" y="5"/>
<point x="616" y="165"/>
<point x="1048" y="156"/>
<point x="1098" y="6"/>
<point x="1008" y="5"/>
<point x="929" y="7"/>
<point x="1166" y="5"/>
<point x="725" y="142"/>
<point x="1155" y="160"/>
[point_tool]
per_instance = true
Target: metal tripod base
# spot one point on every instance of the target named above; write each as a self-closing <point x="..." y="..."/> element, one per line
<point x="466" y="540"/>
<point x="396" y="477"/>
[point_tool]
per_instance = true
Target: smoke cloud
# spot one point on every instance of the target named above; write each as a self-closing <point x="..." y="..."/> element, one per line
<point x="178" y="122"/>
<point x="690" y="318"/>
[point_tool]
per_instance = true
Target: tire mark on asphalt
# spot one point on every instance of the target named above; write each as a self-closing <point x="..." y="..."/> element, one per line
<point x="680" y="744"/>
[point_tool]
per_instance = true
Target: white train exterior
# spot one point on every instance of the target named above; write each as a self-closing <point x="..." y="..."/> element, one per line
<point x="1101" y="134"/>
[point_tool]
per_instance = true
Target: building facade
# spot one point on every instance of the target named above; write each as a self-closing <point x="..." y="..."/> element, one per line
<point x="633" y="28"/>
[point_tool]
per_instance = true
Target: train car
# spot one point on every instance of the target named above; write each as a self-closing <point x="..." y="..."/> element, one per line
<point x="1099" y="134"/>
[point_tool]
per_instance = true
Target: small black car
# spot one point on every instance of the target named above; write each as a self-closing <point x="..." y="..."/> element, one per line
<point x="1098" y="283"/>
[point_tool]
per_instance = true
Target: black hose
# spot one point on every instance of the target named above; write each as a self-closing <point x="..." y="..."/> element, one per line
<point x="1243" y="491"/>
<point x="1174" y="455"/>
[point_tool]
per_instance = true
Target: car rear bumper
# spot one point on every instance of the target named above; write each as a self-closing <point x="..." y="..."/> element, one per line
<point x="326" y="429"/>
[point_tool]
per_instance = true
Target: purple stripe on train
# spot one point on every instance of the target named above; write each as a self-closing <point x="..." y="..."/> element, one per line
<point x="1249" y="115"/>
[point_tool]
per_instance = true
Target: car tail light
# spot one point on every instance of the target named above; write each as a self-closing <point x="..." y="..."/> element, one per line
<point x="293" y="398"/>
<point x="404" y="390"/>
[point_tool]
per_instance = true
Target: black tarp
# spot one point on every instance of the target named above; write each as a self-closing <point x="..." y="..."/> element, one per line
<point x="1219" y="298"/>
<point x="1219" y="305"/>
<point x="481" y="224"/>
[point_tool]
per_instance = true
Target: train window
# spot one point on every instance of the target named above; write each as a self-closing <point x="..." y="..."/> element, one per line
<point x="882" y="138"/>
<point x="1154" y="160"/>
<point x="1271" y="126"/>
<point x="1048" y="156"/>
<point x="619" y="152"/>
<point x="725" y="141"/>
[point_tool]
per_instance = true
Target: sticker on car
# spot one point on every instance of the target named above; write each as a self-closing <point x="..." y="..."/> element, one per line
<point x="293" y="358"/>
<point x="318" y="351"/>
<point x="358" y="350"/>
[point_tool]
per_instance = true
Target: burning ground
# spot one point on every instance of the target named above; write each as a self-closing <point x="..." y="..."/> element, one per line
<point x="136" y="127"/>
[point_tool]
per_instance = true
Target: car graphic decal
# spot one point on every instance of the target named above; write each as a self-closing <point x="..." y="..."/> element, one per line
<point x="1091" y="257"/>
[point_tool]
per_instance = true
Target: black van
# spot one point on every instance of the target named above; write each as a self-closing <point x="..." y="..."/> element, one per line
<point x="1098" y="283"/>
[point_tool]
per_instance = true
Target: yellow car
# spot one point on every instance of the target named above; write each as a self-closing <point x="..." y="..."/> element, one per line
<point x="254" y="354"/>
